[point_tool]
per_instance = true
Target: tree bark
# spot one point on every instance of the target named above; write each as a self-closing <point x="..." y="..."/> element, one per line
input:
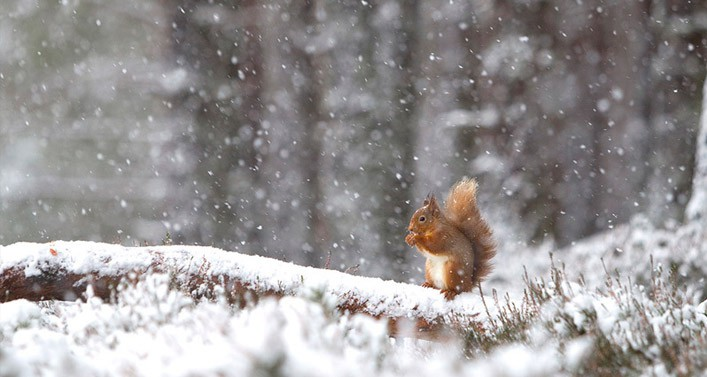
<point x="64" y="270"/>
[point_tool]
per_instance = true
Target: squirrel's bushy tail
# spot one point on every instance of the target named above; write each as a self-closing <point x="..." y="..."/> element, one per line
<point x="462" y="211"/>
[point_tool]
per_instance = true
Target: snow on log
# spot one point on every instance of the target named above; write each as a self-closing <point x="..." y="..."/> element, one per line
<point x="63" y="270"/>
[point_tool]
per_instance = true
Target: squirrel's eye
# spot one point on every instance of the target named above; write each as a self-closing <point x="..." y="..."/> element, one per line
<point x="422" y="219"/>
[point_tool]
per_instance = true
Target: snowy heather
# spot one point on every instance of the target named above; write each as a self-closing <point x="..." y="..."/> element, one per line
<point x="656" y="329"/>
<point x="153" y="331"/>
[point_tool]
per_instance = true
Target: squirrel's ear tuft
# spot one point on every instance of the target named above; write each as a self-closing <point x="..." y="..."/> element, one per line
<point x="429" y="197"/>
<point x="432" y="204"/>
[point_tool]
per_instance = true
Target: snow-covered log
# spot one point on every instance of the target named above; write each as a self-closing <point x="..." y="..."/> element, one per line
<point x="697" y="206"/>
<point x="63" y="271"/>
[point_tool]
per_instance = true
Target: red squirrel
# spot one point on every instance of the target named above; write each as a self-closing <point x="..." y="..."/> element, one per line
<point x="457" y="242"/>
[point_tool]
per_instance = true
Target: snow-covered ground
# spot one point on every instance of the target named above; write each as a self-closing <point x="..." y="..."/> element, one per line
<point x="632" y="320"/>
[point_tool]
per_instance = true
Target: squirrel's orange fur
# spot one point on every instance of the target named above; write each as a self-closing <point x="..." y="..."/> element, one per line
<point x="457" y="242"/>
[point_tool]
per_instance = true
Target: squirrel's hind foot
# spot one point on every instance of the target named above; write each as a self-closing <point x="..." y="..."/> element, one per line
<point x="449" y="294"/>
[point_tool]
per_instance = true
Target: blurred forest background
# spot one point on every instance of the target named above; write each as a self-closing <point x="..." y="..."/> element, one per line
<point x="293" y="129"/>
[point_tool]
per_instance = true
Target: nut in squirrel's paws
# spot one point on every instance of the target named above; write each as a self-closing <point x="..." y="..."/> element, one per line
<point x="410" y="239"/>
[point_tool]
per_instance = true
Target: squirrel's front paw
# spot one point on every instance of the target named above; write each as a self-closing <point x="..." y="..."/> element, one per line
<point x="427" y="285"/>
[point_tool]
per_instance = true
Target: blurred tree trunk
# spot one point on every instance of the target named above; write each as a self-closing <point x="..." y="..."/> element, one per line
<point x="292" y="124"/>
<point x="366" y="69"/>
<point x="384" y="136"/>
<point x="676" y="68"/>
<point x="394" y="25"/>
<point x="621" y="146"/>
<point x="438" y="60"/>
<point x="218" y="44"/>
<point x="576" y="188"/>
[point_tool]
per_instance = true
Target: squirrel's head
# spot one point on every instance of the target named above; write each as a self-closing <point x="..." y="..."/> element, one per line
<point x="425" y="216"/>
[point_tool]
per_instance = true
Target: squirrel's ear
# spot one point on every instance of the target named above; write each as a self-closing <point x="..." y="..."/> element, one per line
<point x="432" y="204"/>
<point x="426" y="202"/>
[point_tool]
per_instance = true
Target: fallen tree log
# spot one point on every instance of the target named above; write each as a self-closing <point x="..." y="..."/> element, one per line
<point x="64" y="270"/>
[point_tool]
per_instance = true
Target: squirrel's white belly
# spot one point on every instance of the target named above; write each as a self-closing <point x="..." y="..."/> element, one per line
<point x="437" y="270"/>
